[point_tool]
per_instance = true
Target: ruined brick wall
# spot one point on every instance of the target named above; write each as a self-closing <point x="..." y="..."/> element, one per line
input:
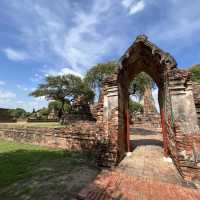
<point x="94" y="110"/>
<point x="196" y="94"/>
<point x="79" y="136"/>
<point x="185" y="150"/>
<point x="183" y="135"/>
<point x="108" y="122"/>
<point x="182" y="100"/>
<point x="176" y="104"/>
<point x="148" y="121"/>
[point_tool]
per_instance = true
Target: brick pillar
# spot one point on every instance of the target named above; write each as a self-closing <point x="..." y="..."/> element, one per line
<point x="165" y="134"/>
<point x="183" y="106"/>
<point x="110" y="155"/>
<point x="128" y="149"/>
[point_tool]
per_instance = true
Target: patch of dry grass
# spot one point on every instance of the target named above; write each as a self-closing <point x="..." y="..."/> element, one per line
<point x="39" y="173"/>
<point x="33" y="125"/>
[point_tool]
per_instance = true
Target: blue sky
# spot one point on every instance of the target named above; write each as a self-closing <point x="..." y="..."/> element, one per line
<point x="41" y="37"/>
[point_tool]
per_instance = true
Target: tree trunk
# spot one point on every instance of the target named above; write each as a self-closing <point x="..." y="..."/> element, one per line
<point x="61" y="113"/>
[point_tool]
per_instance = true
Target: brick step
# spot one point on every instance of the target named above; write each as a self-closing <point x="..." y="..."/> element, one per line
<point x="115" y="185"/>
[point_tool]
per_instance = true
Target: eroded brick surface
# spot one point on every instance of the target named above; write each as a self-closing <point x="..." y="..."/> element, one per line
<point x="116" y="185"/>
<point x="78" y="136"/>
<point x="144" y="175"/>
<point x="147" y="158"/>
<point x="177" y="100"/>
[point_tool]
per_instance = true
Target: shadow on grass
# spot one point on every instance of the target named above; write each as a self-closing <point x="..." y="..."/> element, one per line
<point x="44" y="174"/>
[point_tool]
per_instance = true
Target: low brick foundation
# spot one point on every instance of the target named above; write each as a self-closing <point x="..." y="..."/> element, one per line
<point x="79" y="136"/>
<point x="185" y="150"/>
<point x="196" y="94"/>
<point x="188" y="148"/>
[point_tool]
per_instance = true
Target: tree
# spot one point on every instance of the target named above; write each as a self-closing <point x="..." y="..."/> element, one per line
<point x="140" y="84"/>
<point x="135" y="107"/>
<point x="95" y="76"/>
<point x="18" y="113"/>
<point x="56" y="106"/>
<point x="43" y="112"/>
<point x="195" y="70"/>
<point x="63" y="88"/>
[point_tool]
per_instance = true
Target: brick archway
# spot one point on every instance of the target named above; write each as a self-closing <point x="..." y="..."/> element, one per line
<point x="178" y="115"/>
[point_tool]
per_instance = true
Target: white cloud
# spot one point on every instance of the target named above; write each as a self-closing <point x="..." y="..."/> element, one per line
<point x="73" y="40"/>
<point x="70" y="71"/>
<point x="6" y="97"/>
<point x="29" y="104"/>
<point x="4" y="94"/>
<point x="62" y="72"/>
<point x="15" y="55"/>
<point x="127" y="3"/>
<point x="134" y="6"/>
<point x="8" y="100"/>
<point x="139" y="6"/>
<point x="80" y="51"/>
<point x="64" y="33"/>
<point x="36" y="77"/>
<point x="2" y="83"/>
<point x="178" y="26"/>
<point x="23" y="88"/>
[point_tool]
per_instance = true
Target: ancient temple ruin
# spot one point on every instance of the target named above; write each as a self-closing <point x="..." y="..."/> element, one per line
<point x="149" y="117"/>
<point x="180" y="129"/>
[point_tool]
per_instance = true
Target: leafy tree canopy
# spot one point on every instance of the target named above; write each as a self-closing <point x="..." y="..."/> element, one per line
<point x="43" y="111"/>
<point x="195" y="70"/>
<point x="17" y="113"/>
<point x="96" y="75"/>
<point x="139" y="84"/>
<point x="63" y="88"/>
<point x="134" y="106"/>
<point x="57" y="105"/>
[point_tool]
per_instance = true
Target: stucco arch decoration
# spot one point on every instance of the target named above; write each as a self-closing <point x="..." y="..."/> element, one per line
<point x="181" y="135"/>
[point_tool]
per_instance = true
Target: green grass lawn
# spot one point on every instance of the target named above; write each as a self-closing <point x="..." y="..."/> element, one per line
<point x="34" y="172"/>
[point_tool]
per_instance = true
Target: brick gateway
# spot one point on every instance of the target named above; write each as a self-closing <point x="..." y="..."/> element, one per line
<point x="181" y="135"/>
<point x="179" y="101"/>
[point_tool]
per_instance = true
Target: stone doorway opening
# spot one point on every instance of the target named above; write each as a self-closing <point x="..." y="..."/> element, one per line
<point x="144" y="121"/>
<point x="142" y="61"/>
<point x="147" y="158"/>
